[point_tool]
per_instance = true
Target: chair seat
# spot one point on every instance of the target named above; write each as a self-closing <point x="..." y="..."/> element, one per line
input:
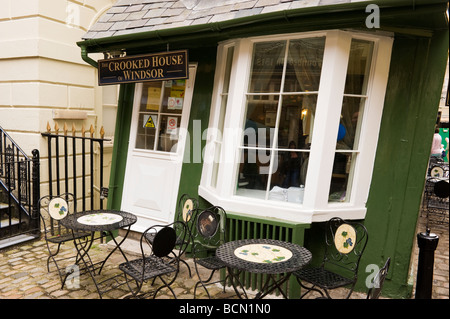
<point x="153" y="266"/>
<point x="67" y="237"/>
<point x="323" y="278"/>
<point x="211" y="263"/>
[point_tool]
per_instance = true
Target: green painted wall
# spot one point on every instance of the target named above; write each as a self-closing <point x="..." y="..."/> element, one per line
<point x="409" y="116"/>
<point x="200" y="110"/>
<point x="120" y="148"/>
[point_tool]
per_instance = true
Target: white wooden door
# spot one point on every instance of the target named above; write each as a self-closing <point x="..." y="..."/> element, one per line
<point x="156" y="148"/>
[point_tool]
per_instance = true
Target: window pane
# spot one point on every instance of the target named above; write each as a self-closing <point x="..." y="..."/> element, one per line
<point x="297" y="121"/>
<point x="253" y="172"/>
<point x="350" y="123"/>
<point x="291" y="168"/>
<point x="173" y="96"/>
<point x="226" y="82"/>
<point x="341" y="179"/>
<point x="358" y="67"/>
<point x="267" y="67"/>
<point x="259" y="122"/>
<point x="304" y="65"/>
<point x="168" y="133"/>
<point x="146" y="130"/>
<point x="151" y="97"/>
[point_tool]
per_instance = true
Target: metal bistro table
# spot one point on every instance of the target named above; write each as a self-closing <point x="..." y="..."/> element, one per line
<point x="274" y="258"/>
<point x="105" y="222"/>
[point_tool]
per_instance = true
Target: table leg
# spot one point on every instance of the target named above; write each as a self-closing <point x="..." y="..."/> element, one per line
<point x="234" y="278"/>
<point x="115" y="248"/>
<point x="83" y="252"/>
<point x="268" y="288"/>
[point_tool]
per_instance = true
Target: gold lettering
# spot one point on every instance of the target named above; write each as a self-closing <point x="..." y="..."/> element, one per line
<point x="154" y="61"/>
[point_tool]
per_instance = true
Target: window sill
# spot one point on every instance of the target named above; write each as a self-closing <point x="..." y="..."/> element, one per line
<point x="290" y="212"/>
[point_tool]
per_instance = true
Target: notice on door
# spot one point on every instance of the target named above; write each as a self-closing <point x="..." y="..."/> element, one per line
<point x="172" y="124"/>
<point x="150" y="120"/>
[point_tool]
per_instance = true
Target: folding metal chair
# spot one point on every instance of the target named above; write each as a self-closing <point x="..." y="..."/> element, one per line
<point x="345" y="242"/>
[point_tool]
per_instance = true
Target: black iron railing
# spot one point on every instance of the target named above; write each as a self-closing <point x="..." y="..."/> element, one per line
<point x="71" y="161"/>
<point x="19" y="189"/>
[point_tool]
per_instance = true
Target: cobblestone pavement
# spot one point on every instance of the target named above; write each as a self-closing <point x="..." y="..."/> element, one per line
<point x="24" y="275"/>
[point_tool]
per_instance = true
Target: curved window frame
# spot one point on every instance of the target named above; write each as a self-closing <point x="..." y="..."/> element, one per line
<point x="219" y="178"/>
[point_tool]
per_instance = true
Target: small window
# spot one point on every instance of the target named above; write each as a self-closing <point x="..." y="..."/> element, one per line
<point x="160" y="115"/>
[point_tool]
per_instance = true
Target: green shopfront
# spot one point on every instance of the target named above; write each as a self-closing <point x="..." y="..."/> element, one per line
<point x="286" y="119"/>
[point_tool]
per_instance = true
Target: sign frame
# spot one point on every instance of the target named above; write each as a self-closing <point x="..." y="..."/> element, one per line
<point x="161" y="66"/>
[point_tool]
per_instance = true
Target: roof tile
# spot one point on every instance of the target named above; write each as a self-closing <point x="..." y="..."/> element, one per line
<point x="134" y="16"/>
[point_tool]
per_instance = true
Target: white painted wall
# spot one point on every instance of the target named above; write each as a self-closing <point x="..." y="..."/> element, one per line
<point x="41" y="70"/>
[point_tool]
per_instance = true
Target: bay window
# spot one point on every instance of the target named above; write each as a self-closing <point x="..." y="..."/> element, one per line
<point x="294" y="124"/>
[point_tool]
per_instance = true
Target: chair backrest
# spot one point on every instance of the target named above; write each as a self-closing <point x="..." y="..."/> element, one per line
<point x="441" y="189"/>
<point x="161" y="239"/>
<point x="378" y="281"/>
<point x="187" y="206"/>
<point x="345" y="244"/>
<point x="54" y="208"/>
<point x="210" y="229"/>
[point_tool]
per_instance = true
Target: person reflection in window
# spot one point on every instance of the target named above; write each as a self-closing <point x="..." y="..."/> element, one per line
<point x="292" y="168"/>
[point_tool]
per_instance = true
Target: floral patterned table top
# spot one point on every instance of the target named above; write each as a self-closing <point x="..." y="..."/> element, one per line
<point x="100" y="219"/>
<point x="263" y="253"/>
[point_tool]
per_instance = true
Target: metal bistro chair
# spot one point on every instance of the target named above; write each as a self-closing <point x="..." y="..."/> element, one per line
<point x="157" y="261"/>
<point x="345" y="242"/>
<point x="52" y="210"/>
<point x="437" y="206"/>
<point x="210" y="234"/>
<point x="187" y="206"/>
<point x="378" y="281"/>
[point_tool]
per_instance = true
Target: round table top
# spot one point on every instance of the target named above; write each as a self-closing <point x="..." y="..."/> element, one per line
<point x="99" y="220"/>
<point x="267" y="256"/>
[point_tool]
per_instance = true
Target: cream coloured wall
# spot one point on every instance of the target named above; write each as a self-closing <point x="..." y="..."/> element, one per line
<point x="41" y="71"/>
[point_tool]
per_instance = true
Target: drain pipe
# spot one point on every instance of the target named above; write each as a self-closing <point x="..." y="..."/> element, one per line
<point x="86" y="58"/>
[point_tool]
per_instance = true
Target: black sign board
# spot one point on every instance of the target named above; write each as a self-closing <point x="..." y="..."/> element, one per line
<point x="142" y="68"/>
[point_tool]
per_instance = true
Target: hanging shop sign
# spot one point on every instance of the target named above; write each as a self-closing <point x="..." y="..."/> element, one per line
<point x="169" y="65"/>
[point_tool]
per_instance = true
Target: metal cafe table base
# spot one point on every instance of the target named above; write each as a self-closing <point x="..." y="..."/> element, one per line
<point x="104" y="222"/>
<point x="274" y="258"/>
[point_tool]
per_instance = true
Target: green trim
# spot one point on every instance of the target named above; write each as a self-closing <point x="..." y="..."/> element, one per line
<point x="120" y="148"/>
<point x="409" y="116"/>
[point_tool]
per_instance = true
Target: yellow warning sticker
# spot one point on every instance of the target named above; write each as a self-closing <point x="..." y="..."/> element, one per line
<point x="149" y="121"/>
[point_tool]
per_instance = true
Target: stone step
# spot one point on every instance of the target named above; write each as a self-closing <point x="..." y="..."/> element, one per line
<point x="15" y="240"/>
<point x="5" y="222"/>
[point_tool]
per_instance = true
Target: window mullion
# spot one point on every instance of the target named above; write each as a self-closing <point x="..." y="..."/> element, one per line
<point x="277" y="121"/>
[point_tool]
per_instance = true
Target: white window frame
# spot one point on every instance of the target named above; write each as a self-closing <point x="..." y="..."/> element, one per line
<point x="316" y="206"/>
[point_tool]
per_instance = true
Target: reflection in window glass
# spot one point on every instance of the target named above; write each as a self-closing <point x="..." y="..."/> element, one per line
<point x="160" y="115"/>
<point x="358" y="67"/>
<point x="350" y="122"/>
<point x="304" y="65"/>
<point x="279" y="120"/>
